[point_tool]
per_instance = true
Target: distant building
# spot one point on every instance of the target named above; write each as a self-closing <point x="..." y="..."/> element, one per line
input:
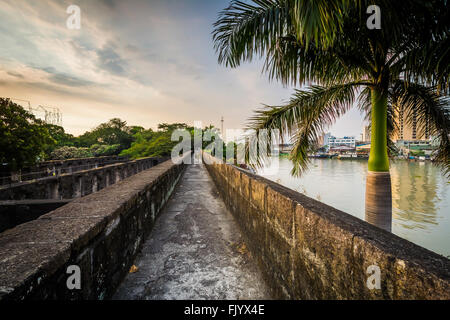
<point x="366" y="134"/>
<point x="408" y="146"/>
<point x="285" y="147"/>
<point x="363" y="149"/>
<point x="325" y="139"/>
<point x="410" y="131"/>
<point x="341" y="142"/>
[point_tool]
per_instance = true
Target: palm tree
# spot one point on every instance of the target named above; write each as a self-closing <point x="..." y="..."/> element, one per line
<point x="401" y="68"/>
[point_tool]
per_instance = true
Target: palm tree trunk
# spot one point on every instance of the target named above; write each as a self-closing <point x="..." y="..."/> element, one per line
<point x="378" y="183"/>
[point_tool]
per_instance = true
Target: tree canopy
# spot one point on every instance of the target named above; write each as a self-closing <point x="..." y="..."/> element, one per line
<point x="150" y="143"/>
<point x="23" y="138"/>
<point x="115" y="131"/>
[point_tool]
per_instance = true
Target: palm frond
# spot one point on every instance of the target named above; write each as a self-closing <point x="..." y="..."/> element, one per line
<point x="429" y="112"/>
<point x="245" y="30"/>
<point x="286" y="32"/>
<point x="422" y="54"/>
<point x="304" y="119"/>
<point x="318" y="21"/>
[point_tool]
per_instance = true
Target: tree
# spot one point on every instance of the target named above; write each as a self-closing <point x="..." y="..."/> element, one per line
<point x="101" y="150"/>
<point x="149" y="143"/>
<point x="113" y="132"/>
<point x="402" y="67"/>
<point x="60" y="136"/>
<point x="23" y="138"/>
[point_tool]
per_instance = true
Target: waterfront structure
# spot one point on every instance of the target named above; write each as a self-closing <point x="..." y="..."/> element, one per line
<point x="326" y="139"/>
<point x="406" y="146"/>
<point x="285" y="147"/>
<point x="410" y="136"/>
<point x="340" y="142"/>
<point x="363" y="150"/>
<point x="366" y="134"/>
<point x="410" y="130"/>
<point x="329" y="141"/>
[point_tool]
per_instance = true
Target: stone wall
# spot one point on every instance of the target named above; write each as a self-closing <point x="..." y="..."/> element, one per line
<point x="309" y="250"/>
<point x="47" y="168"/>
<point x="77" y="184"/>
<point x="15" y="212"/>
<point x="101" y="233"/>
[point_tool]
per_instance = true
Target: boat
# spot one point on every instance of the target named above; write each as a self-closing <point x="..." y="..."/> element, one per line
<point x="348" y="156"/>
<point x="320" y="156"/>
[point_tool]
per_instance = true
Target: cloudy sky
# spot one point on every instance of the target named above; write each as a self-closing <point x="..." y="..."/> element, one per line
<point x="145" y="62"/>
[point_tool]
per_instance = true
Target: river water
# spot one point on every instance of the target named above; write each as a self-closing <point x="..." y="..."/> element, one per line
<point x="420" y="195"/>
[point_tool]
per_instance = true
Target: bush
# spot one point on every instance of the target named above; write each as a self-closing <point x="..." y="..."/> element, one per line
<point x="99" y="150"/>
<point x="64" y="153"/>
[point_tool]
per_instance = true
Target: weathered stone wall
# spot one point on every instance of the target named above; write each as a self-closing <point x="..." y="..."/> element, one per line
<point x="101" y="233"/>
<point x="309" y="250"/>
<point x="77" y="184"/>
<point x="15" y="212"/>
<point x="62" y="164"/>
<point x="47" y="168"/>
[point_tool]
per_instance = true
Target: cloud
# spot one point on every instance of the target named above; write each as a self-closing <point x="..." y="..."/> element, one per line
<point x="69" y="81"/>
<point x="15" y="74"/>
<point x="110" y="60"/>
<point x="145" y="61"/>
<point x="65" y="79"/>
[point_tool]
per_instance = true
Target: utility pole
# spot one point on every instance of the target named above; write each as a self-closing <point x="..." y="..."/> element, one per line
<point x="221" y="128"/>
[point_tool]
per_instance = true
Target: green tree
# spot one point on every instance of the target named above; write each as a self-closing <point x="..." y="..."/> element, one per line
<point x="402" y="67"/>
<point x="23" y="138"/>
<point x="101" y="150"/>
<point x="60" y="136"/>
<point x="149" y="143"/>
<point x="113" y="132"/>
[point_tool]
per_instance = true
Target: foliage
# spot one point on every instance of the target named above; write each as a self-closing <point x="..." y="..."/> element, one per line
<point x="63" y="153"/>
<point x="417" y="153"/>
<point x="23" y="138"/>
<point x="149" y="143"/>
<point x="60" y="136"/>
<point x="96" y="150"/>
<point x="113" y="132"/>
<point x="99" y="150"/>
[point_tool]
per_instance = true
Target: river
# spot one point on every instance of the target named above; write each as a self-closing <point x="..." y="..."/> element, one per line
<point x="420" y="195"/>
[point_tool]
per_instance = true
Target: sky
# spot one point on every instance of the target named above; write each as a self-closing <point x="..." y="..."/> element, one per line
<point x="144" y="61"/>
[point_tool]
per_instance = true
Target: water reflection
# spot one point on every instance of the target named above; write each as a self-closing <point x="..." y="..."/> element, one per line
<point x="414" y="195"/>
<point x="420" y="195"/>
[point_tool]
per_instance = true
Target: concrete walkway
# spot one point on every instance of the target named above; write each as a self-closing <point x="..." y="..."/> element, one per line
<point x="195" y="250"/>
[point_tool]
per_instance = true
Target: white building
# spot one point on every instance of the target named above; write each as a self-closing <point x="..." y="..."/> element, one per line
<point x="366" y="134"/>
<point x="344" y="141"/>
<point x="326" y="139"/>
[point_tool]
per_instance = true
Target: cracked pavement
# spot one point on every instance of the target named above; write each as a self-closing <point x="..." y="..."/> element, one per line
<point x="195" y="250"/>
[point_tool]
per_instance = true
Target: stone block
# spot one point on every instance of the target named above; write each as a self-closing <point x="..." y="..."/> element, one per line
<point x="280" y="210"/>
<point x="258" y="193"/>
